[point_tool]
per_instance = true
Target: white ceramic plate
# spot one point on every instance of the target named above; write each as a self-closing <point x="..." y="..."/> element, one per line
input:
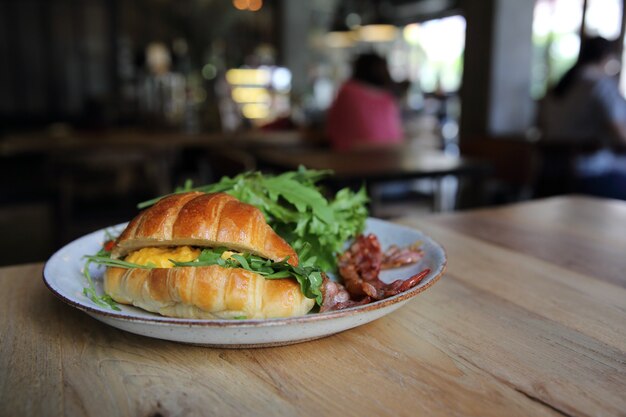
<point x="62" y="274"/>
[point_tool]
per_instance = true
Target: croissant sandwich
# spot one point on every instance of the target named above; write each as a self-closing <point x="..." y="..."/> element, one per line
<point x="168" y="239"/>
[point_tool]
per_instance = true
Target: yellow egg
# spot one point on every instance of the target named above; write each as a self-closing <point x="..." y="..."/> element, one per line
<point x="227" y="254"/>
<point x="160" y="257"/>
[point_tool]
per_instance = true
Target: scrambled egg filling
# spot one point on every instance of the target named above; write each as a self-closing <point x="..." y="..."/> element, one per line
<point x="160" y="257"/>
<point x="228" y="254"/>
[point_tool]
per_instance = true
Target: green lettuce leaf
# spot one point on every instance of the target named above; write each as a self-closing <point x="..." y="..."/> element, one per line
<point x="309" y="277"/>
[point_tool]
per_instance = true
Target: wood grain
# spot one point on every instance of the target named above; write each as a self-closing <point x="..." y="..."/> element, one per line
<point x="508" y="331"/>
<point x="581" y="234"/>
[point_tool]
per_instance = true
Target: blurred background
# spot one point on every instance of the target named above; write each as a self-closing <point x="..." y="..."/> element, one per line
<point x="105" y="103"/>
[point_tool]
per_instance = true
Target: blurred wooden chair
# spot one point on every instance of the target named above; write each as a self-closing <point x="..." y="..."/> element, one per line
<point x="98" y="187"/>
<point x="556" y="165"/>
<point x="514" y="167"/>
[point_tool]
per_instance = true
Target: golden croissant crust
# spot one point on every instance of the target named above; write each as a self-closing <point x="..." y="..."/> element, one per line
<point x="207" y="292"/>
<point x="204" y="220"/>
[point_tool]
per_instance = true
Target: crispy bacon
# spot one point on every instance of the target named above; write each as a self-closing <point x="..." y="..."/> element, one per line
<point x="401" y="285"/>
<point x="336" y="297"/>
<point x="360" y="267"/>
<point x="396" y="256"/>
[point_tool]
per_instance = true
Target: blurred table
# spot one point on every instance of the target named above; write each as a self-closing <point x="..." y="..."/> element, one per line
<point x="76" y="140"/>
<point x="528" y="321"/>
<point x="374" y="166"/>
<point x="47" y="142"/>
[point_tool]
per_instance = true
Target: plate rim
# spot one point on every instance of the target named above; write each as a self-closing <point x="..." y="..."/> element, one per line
<point x="159" y="320"/>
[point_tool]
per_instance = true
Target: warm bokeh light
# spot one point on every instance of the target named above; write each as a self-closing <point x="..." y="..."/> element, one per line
<point x="248" y="76"/>
<point x="241" y="4"/>
<point x="158" y="58"/>
<point x="255" y="5"/>
<point x="411" y="34"/>
<point x="377" y="33"/>
<point x="339" y="39"/>
<point x="250" y="95"/>
<point x="260" y="93"/>
<point x="251" y="5"/>
<point x="255" y="111"/>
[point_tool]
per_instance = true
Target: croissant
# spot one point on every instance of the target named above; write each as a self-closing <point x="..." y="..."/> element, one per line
<point x="197" y="219"/>
<point x="208" y="292"/>
<point x="205" y="220"/>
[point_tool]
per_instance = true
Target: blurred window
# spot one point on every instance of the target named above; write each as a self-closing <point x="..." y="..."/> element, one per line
<point x="557" y="28"/>
<point x="603" y="18"/>
<point x="556" y="41"/>
<point x="435" y="58"/>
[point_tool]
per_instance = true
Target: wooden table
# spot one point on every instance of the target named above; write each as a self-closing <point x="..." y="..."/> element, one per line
<point x="375" y="166"/>
<point x="45" y="142"/>
<point x="383" y="164"/>
<point x="530" y="320"/>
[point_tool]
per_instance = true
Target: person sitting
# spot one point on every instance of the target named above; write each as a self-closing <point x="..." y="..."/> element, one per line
<point x="365" y="113"/>
<point x="586" y="110"/>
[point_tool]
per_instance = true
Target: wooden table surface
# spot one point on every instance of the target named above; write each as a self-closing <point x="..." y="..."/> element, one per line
<point x="530" y="320"/>
<point x="404" y="162"/>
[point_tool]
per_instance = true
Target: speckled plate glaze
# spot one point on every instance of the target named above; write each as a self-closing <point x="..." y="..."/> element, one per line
<point x="62" y="275"/>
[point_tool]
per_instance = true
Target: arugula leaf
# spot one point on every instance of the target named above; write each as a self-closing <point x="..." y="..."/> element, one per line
<point x="106" y="260"/>
<point x="303" y="197"/>
<point x="309" y="277"/>
<point x="90" y="291"/>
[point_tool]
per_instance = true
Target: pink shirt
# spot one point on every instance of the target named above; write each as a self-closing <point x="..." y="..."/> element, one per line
<point x="362" y="114"/>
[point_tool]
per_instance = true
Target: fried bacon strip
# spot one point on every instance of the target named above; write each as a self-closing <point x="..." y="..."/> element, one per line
<point x="336" y="297"/>
<point x="360" y="266"/>
<point x="396" y="256"/>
